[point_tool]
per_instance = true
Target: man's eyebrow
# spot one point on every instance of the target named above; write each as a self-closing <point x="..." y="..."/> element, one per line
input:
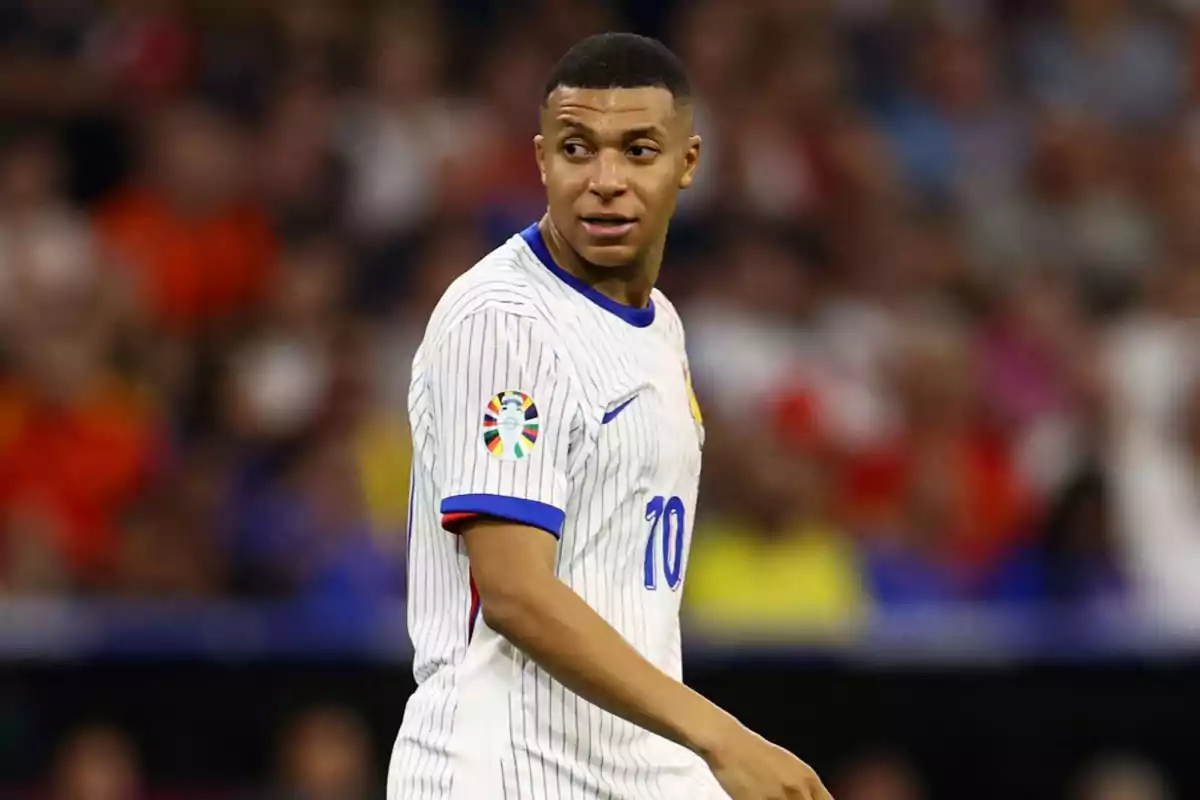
<point x="646" y="132"/>
<point x="642" y="132"/>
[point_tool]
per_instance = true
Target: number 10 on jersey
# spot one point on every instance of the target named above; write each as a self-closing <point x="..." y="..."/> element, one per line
<point x="665" y="515"/>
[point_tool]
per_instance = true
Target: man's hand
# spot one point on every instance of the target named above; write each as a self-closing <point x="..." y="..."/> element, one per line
<point x="748" y="767"/>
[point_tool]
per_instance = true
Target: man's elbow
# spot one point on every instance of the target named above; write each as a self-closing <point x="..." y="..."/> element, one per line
<point x="509" y="606"/>
<point x="505" y="620"/>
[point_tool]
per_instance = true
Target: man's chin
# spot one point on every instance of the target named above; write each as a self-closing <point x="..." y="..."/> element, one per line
<point x="614" y="254"/>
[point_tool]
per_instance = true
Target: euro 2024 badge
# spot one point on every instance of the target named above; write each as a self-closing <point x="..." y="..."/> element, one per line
<point x="510" y="425"/>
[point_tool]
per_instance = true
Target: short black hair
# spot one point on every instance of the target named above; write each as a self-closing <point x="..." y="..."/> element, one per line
<point x="619" y="60"/>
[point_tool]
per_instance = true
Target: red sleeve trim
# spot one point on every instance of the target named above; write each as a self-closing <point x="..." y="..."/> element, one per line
<point x="451" y="522"/>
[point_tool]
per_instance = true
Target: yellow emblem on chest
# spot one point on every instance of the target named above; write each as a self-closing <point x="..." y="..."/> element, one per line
<point x="695" y="405"/>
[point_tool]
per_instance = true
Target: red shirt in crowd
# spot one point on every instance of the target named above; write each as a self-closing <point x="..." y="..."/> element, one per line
<point x="73" y="468"/>
<point x="191" y="270"/>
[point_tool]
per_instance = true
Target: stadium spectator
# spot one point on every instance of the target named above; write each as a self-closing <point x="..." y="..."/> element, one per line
<point x="776" y="563"/>
<point x="201" y="252"/>
<point x="325" y="754"/>
<point x="280" y="371"/>
<point x="1153" y="371"/>
<point x="1032" y="352"/>
<point x="145" y="51"/>
<point x="300" y="175"/>
<point x="1084" y="217"/>
<point x="296" y="397"/>
<point x="1122" y="778"/>
<point x="496" y="182"/>
<point x="63" y="403"/>
<point x="168" y="545"/>
<point x="96" y="763"/>
<point x="399" y="135"/>
<point x="958" y="133"/>
<point x="1112" y="58"/>
<point x="879" y="777"/>
<point x="1075" y="562"/>
<point x="944" y="492"/>
<point x="747" y="331"/>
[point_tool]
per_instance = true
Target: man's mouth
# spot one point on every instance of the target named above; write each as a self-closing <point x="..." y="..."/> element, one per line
<point x="607" y="226"/>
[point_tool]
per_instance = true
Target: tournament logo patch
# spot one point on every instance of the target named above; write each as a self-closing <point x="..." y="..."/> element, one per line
<point x="510" y="425"/>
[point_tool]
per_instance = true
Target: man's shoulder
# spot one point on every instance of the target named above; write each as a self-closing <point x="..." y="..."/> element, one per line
<point x="663" y="305"/>
<point x="665" y="309"/>
<point x="501" y="283"/>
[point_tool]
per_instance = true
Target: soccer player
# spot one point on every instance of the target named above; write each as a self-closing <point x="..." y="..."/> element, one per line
<point x="556" y="461"/>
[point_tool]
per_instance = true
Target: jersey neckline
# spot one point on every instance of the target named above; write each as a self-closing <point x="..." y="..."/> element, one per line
<point x="637" y="317"/>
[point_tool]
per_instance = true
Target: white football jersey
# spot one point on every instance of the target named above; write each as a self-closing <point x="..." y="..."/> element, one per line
<point x="537" y="399"/>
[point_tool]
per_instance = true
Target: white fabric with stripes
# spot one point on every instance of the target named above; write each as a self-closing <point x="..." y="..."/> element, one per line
<point x="613" y="473"/>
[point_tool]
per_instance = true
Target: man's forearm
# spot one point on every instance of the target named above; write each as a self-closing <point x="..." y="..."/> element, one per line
<point x="568" y="639"/>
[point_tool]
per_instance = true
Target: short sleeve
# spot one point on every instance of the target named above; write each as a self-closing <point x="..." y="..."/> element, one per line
<point x="502" y="412"/>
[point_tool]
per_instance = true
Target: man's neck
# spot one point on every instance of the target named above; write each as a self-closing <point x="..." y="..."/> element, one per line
<point x="628" y="284"/>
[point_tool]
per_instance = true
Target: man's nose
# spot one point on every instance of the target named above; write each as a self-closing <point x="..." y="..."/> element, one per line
<point x="609" y="180"/>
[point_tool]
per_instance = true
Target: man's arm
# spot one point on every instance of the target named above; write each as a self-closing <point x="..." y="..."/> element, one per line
<point x="523" y="601"/>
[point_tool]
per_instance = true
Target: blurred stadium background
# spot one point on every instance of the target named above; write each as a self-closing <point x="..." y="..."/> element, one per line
<point x="941" y="272"/>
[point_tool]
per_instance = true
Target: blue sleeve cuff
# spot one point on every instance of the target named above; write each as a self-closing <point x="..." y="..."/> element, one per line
<point x="514" y="509"/>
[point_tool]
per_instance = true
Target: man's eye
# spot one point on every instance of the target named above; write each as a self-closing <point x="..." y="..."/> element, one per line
<point x="574" y="149"/>
<point x="642" y="151"/>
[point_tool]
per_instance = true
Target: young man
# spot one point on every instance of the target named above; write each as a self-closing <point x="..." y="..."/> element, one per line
<point x="557" y="456"/>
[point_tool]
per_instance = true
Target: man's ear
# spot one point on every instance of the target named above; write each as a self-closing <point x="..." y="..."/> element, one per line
<point x="539" y="154"/>
<point x="691" y="160"/>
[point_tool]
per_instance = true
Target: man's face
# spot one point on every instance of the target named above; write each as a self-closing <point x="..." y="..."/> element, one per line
<point x="613" y="161"/>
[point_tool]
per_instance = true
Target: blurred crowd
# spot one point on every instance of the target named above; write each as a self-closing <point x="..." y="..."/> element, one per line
<point x="948" y="331"/>
<point x="325" y="752"/>
<point x="940" y="273"/>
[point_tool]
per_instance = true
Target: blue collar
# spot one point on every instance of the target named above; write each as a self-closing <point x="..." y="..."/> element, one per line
<point x="638" y="317"/>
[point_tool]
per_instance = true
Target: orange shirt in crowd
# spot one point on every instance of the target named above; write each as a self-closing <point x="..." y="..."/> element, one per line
<point x="191" y="270"/>
<point x="73" y="468"/>
<point x="985" y="506"/>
